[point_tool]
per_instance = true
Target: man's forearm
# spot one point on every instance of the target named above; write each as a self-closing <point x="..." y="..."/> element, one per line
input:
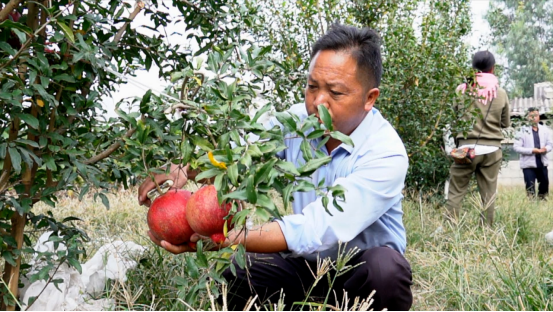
<point x="265" y="239"/>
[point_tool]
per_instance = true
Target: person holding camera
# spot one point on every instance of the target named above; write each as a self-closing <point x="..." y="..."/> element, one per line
<point x="483" y="142"/>
<point x="533" y="142"/>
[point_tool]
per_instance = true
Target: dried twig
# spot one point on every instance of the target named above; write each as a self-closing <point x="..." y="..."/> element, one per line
<point x="139" y="6"/>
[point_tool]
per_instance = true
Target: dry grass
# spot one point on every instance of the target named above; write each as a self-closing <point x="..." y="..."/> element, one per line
<point x="455" y="266"/>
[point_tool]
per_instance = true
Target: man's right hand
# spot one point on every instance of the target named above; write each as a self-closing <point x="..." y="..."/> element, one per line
<point x="178" y="174"/>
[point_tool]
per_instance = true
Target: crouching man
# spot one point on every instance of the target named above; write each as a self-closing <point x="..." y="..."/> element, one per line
<point x="344" y="75"/>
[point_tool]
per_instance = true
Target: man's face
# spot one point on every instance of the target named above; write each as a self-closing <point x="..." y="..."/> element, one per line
<point x="334" y="81"/>
<point x="534" y="117"/>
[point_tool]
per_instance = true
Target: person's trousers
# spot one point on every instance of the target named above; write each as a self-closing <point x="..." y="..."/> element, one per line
<point x="530" y="177"/>
<point x="486" y="168"/>
<point x="381" y="269"/>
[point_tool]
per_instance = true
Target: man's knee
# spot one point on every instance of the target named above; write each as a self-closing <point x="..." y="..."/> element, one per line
<point x="387" y="272"/>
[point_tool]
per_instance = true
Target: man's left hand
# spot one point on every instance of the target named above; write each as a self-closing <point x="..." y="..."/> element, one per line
<point x="176" y="249"/>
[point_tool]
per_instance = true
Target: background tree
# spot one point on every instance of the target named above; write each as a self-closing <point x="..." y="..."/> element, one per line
<point x="523" y="33"/>
<point x="425" y="58"/>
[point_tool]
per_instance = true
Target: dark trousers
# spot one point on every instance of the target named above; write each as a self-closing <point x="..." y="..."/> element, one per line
<point x="530" y="177"/>
<point x="382" y="269"/>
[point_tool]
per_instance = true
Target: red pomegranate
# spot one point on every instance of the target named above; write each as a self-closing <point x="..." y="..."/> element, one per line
<point x="167" y="217"/>
<point x="205" y="215"/>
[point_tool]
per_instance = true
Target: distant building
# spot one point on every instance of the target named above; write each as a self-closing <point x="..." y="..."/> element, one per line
<point x="543" y="100"/>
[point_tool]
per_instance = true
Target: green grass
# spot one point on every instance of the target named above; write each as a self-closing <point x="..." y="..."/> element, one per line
<point x="460" y="266"/>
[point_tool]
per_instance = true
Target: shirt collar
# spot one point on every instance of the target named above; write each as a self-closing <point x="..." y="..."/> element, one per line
<point x="360" y="133"/>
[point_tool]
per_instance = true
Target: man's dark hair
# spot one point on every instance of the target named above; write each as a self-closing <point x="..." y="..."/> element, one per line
<point x="483" y="61"/>
<point x="363" y="45"/>
<point x="533" y="109"/>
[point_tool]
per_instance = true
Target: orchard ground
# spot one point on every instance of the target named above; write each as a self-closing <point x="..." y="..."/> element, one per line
<point x="455" y="266"/>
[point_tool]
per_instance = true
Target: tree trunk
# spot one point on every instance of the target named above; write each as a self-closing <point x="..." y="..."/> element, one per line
<point x="11" y="273"/>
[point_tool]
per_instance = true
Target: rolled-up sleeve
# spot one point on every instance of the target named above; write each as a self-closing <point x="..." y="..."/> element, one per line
<point x="372" y="188"/>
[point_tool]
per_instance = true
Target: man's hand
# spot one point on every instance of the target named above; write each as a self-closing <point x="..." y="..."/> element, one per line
<point x="176" y="249"/>
<point x="178" y="174"/>
<point x="542" y="150"/>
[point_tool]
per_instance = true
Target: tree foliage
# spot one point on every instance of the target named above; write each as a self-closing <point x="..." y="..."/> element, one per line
<point x="523" y="33"/>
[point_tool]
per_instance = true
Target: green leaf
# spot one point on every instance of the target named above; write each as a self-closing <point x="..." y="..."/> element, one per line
<point x="145" y="101"/>
<point x="11" y="25"/>
<point x="6" y="47"/>
<point x="325" y="201"/>
<point x="68" y="32"/>
<point x="240" y="256"/>
<point x="202" y="143"/>
<point x="287" y="167"/>
<point x="306" y="150"/>
<point x="15" y="158"/>
<point x="64" y="77"/>
<point x="254" y="151"/>
<point x="201" y="259"/>
<point x="325" y="117"/>
<point x="286" y="120"/>
<point x="239" y="195"/>
<point x="29" y="119"/>
<point x="265" y="201"/>
<point x="218" y="183"/>
<point x="246" y="160"/>
<point x="303" y="186"/>
<point x="316" y="134"/>
<point x="342" y="137"/>
<point x="24" y="142"/>
<point x="192" y="268"/>
<point x="104" y="199"/>
<point x="75" y="263"/>
<point x="260" y="112"/>
<point x="267" y="147"/>
<point x="337" y="206"/>
<point x="323" y="142"/>
<point x="287" y="195"/>
<point x="235" y="137"/>
<point x="3" y="150"/>
<point x="263" y="173"/>
<point x="20" y="35"/>
<point x="313" y="164"/>
<point x="8" y="256"/>
<point x="250" y="190"/>
<point x="210" y="173"/>
<point x="232" y="171"/>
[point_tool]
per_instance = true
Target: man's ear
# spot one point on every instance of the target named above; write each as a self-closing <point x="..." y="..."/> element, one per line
<point x="370" y="98"/>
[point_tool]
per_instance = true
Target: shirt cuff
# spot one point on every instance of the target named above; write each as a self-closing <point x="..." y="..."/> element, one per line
<point x="298" y="240"/>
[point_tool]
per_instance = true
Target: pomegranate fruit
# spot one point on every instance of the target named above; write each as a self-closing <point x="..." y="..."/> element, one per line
<point x="167" y="217"/>
<point x="218" y="238"/>
<point x="205" y="215"/>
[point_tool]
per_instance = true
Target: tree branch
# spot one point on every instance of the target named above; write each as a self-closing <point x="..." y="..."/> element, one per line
<point x="113" y="147"/>
<point x="139" y="6"/>
<point x="8" y="8"/>
<point x="28" y="42"/>
<point x="6" y="171"/>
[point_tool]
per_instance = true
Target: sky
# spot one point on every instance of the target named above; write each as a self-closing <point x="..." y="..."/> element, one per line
<point x="149" y="80"/>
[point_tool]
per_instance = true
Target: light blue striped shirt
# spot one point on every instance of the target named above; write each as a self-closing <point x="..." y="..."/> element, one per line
<point x="373" y="173"/>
